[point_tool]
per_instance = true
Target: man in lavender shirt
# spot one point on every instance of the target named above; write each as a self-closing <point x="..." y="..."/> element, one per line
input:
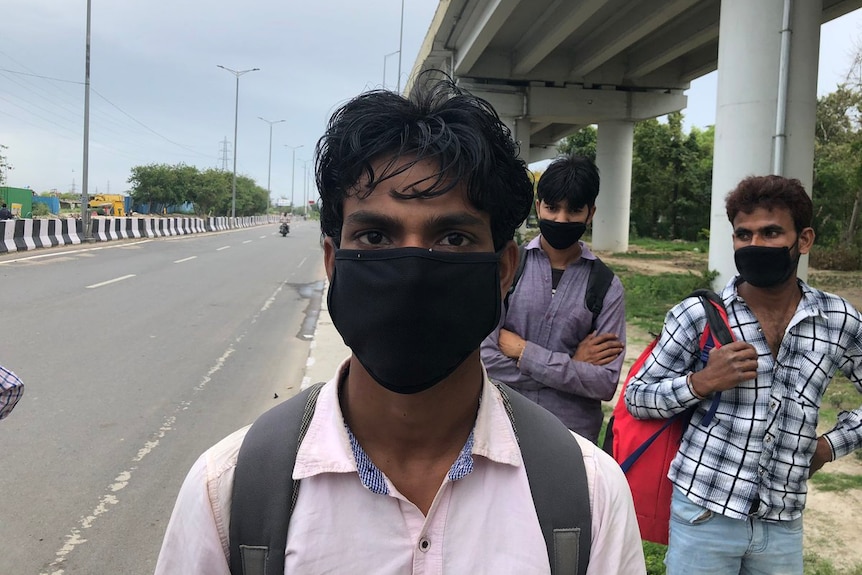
<point x="548" y="345"/>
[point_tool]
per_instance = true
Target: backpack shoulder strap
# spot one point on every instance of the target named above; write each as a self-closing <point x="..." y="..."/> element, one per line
<point x="558" y="482"/>
<point x="716" y="333"/>
<point x="522" y="262"/>
<point x="598" y="285"/>
<point x="264" y="492"/>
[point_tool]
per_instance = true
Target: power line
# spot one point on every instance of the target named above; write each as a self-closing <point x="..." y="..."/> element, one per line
<point x="147" y="127"/>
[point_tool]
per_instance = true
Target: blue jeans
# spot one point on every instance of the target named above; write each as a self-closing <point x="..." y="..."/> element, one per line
<point x="703" y="542"/>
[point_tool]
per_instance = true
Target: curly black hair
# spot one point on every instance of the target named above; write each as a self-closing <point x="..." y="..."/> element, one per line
<point x="770" y="192"/>
<point x="439" y="122"/>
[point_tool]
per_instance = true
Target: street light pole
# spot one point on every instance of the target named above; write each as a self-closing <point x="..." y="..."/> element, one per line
<point x="305" y="187"/>
<point x="384" y="66"/>
<point x="236" y="73"/>
<point x="85" y="196"/>
<point x="269" y="165"/>
<point x="292" y="169"/>
<point x="400" y="43"/>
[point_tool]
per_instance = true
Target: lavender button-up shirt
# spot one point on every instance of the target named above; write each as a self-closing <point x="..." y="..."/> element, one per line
<point x="553" y="325"/>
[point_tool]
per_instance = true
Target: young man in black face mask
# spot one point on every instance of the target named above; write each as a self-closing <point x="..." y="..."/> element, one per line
<point x="410" y="462"/>
<point x="550" y="346"/>
<point x="740" y="482"/>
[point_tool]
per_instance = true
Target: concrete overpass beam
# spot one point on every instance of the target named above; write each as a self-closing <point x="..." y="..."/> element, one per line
<point x="479" y="31"/>
<point x="748" y="64"/>
<point x="614" y="160"/>
<point x="577" y="105"/>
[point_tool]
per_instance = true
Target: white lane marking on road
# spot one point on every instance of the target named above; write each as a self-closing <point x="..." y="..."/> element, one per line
<point x="302" y="262"/>
<point x="70" y="252"/>
<point x="218" y="365"/>
<point x="115" y="280"/>
<point x="185" y="259"/>
<point x="247" y="241"/>
<point x="222" y="248"/>
<point x="263" y="237"/>
<point x="74" y="538"/>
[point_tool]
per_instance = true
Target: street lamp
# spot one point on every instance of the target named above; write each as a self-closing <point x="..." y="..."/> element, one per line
<point x="85" y="196"/>
<point x="384" y="65"/>
<point x="269" y="166"/>
<point x="236" y="73"/>
<point x="400" y="42"/>
<point x="292" y="169"/>
<point x="305" y="187"/>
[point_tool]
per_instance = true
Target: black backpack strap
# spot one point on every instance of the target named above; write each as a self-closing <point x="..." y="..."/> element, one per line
<point x="519" y="271"/>
<point x="264" y="492"/>
<point x="598" y="285"/>
<point x="558" y="482"/>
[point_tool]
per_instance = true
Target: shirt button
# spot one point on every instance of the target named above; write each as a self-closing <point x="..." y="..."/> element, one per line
<point x="768" y="440"/>
<point x="424" y="544"/>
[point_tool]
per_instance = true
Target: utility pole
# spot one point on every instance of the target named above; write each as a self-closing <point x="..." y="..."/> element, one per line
<point x="292" y="171"/>
<point x="85" y="198"/>
<point x="400" y="44"/>
<point x="269" y="166"/>
<point x="236" y="73"/>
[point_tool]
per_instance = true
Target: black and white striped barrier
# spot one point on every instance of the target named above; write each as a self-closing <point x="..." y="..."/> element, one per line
<point x="23" y="235"/>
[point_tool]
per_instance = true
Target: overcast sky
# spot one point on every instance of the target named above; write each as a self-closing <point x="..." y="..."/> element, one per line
<point x="159" y="97"/>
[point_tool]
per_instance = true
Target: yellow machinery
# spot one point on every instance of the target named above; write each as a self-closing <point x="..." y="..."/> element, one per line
<point x="110" y="204"/>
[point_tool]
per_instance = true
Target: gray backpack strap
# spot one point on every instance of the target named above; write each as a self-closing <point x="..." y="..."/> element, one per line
<point x="558" y="482"/>
<point x="264" y="492"/>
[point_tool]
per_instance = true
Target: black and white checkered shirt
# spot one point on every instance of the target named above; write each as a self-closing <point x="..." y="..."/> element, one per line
<point x="759" y="444"/>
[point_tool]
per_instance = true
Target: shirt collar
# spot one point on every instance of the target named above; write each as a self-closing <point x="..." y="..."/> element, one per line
<point x="329" y="446"/>
<point x="535" y="244"/>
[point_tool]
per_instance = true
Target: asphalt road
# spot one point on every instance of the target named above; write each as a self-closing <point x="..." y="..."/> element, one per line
<point x="136" y="357"/>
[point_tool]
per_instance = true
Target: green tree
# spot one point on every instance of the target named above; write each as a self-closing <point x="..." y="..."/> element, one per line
<point x="837" y="190"/>
<point x="212" y="193"/>
<point x="582" y="143"/>
<point x="156" y="184"/>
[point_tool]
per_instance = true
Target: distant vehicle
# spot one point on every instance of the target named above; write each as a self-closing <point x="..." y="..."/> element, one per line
<point x="284" y="229"/>
<point x="110" y="204"/>
<point x="532" y="222"/>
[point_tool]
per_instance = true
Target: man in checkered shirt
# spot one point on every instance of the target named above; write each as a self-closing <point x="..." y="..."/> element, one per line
<point x="11" y="390"/>
<point x="740" y="482"/>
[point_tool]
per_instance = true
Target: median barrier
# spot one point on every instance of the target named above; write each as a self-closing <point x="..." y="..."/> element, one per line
<point x="27" y="234"/>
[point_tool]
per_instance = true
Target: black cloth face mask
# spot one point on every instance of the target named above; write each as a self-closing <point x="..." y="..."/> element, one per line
<point x="561" y="235"/>
<point x="411" y="316"/>
<point x="765" y="267"/>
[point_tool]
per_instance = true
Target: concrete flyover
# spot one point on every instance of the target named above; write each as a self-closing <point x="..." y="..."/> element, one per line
<point x="550" y="67"/>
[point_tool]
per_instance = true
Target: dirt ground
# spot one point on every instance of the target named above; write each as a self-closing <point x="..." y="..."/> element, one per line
<point x="832" y="519"/>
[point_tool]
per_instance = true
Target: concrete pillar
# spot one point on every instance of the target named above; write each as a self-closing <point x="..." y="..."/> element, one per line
<point x="522" y="136"/>
<point x="614" y="160"/>
<point x="748" y="69"/>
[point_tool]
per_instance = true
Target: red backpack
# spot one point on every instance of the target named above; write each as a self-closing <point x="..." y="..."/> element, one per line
<point x="644" y="448"/>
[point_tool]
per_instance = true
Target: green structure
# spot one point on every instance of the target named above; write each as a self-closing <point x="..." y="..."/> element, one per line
<point x="19" y="200"/>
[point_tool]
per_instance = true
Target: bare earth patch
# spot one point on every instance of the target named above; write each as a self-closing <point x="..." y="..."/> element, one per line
<point x="832" y="518"/>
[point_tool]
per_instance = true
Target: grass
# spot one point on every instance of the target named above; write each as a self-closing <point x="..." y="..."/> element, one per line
<point x="649" y="297"/>
<point x="836" y="481"/>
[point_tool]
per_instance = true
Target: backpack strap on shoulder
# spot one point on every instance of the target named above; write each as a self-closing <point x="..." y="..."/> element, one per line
<point x="264" y="492"/>
<point x="558" y="482"/>
<point x="519" y="271"/>
<point x="716" y="333"/>
<point x="598" y="285"/>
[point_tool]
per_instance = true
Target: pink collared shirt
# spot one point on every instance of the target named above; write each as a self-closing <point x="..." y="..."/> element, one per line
<point x="484" y="522"/>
